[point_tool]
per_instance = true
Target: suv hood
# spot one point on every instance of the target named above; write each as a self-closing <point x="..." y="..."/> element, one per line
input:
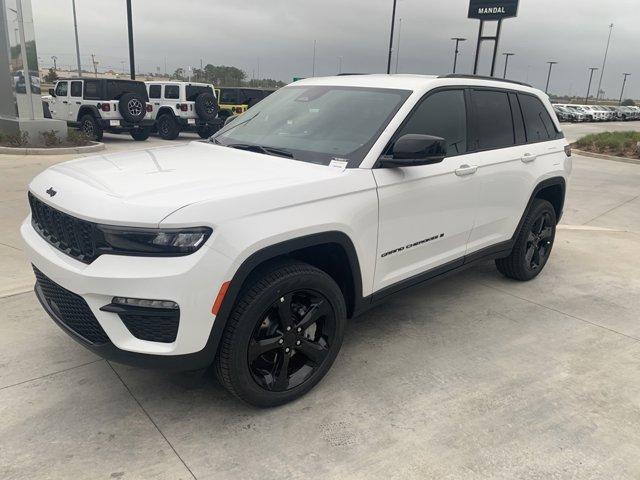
<point x="145" y="186"/>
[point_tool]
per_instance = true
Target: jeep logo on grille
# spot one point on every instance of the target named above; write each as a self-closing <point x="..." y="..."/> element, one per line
<point x="51" y="191"/>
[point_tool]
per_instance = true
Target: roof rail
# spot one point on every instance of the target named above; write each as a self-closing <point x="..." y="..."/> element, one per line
<point x="481" y="77"/>
<point x="349" y="74"/>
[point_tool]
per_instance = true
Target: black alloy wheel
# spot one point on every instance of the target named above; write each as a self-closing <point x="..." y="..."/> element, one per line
<point x="539" y="241"/>
<point x="291" y="340"/>
<point x="283" y="334"/>
<point x="533" y="243"/>
<point x="90" y="128"/>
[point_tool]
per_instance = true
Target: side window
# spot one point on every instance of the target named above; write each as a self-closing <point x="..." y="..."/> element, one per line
<point x="493" y="121"/>
<point x="228" y="96"/>
<point x="518" y="122"/>
<point x="76" y="89"/>
<point x="62" y="89"/>
<point x="442" y="114"/>
<point x="172" y="92"/>
<point x="538" y="123"/>
<point x="155" y="91"/>
<point x="91" y="90"/>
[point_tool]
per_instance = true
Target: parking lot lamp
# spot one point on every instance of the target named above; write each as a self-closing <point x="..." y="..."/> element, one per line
<point x="551" y="64"/>
<point x="457" y="51"/>
<point x="592" y="69"/>
<point x="393" y="24"/>
<point x="506" y="62"/>
<point x="624" y="82"/>
<point x="604" y="62"/>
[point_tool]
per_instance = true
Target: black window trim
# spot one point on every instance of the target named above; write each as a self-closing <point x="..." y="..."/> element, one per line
<point x="422" y="99"/>
<point x="71" y="82"/>
<point x="559" y="133"/>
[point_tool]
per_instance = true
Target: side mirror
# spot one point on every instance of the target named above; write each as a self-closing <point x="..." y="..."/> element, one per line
<point x="52" y="92"/>
<point x="414" y="149"/>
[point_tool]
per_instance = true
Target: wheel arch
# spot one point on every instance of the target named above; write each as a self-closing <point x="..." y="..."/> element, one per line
<point x="332" y="252"/>
<point x="165" y="110"/>
<point x="551" y="189"/>
<point x="88" y="110"/>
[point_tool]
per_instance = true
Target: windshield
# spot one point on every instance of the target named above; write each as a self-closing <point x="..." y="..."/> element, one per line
<point x="317" y="124"/>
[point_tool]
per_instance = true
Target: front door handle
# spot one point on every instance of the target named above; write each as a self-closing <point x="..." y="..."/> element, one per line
<point x="465" y="170"/>
<point x="528" y="158"/>
<point x="65" y="102"/>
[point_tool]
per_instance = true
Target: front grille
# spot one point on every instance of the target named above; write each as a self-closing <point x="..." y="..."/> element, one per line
<point x="71" y="310"/>
<point x="71" y="235"/>
<point x="163" y="329"/>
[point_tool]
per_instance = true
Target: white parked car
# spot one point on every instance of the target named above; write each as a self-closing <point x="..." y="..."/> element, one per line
<point x="98" y="105"/>
<point x="252" y="250"/>
<point x="184" y="107"/>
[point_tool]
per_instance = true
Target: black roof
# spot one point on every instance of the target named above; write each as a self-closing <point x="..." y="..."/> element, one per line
<point x="100" y="78"/>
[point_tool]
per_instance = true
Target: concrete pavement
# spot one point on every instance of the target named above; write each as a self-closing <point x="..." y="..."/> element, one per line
<point x="474" y="377"/>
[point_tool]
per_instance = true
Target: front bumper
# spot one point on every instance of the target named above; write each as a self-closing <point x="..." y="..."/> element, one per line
<point x="192" y="282"/>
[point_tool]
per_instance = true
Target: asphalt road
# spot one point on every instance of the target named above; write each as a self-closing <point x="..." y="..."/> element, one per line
<point x="474" y="377"/>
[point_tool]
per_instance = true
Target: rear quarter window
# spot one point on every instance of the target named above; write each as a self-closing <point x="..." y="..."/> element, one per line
<point x="117" y="88"/>
<point x="537" y="121"/>
<point x="194" y="90"/>
<point x="91" y="90"/>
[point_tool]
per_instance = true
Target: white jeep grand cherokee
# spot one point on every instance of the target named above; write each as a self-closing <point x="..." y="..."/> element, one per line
<point x="251" y="250"/>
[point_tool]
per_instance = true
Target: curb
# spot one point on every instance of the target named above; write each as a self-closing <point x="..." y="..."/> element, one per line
<point x="94" y="147"/>
<point x="611" y="158"/>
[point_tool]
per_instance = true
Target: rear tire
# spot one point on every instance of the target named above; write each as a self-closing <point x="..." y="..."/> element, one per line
<point x="89" y="126"/>
<point x="533" y="244"/>
<point x="140" y="134"/>
<point x="282" y="336"/>
<point x="205" y="131"/>
<point x="168" y="127"/>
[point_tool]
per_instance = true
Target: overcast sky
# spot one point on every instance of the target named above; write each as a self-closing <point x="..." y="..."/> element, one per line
<point x="279" y="35"/>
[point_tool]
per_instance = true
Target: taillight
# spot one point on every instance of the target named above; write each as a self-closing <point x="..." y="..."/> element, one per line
<point x="184" y="107"/>
<point x="149" y="108"/>
<point x="238" y="109"/>
<point x="105" y="107"/>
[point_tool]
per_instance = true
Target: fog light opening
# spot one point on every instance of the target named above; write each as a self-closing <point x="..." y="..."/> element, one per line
<point x="144" y="303"/>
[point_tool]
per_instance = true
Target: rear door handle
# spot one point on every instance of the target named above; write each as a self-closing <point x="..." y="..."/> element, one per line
<point x="528" y="158"/>
<point x="465" y="170"/>
<point x="65" y="102"/>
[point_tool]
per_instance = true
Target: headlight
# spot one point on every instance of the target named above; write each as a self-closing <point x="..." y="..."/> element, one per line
<point x="150" y="241"/>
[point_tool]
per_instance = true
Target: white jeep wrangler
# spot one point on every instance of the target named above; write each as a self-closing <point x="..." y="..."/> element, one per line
<point x="251" y="251"/>
<point x="183" y="107"/>
<point x="96" y="105"/>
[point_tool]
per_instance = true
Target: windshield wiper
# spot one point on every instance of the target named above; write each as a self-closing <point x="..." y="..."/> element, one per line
<point x="222" y="130"/>
<point x="261" y="149"/>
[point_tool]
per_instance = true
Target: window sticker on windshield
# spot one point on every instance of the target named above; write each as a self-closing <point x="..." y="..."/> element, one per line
<point x="340" y="163"/>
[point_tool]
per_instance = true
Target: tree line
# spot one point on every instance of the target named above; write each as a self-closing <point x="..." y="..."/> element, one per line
<point x="225" y="76"/>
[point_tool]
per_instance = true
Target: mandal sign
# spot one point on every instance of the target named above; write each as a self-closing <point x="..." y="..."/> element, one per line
<point x="493" y="9"/>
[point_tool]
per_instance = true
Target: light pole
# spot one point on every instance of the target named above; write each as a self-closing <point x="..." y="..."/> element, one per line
<point x="604" y="62"/>
<point x="551" y="64"/>
<point x="624" y="82"/>
<point x="506" y="62"/>
<point x="457" y="51"/>
<point x="75" y="29"/>
<point x="393" y="24"/>
<point x="398" y="49"/>
<point x="339" y="64"/>
<point x="313" y="68"/>
<point x="592" y="69"/>
<point x="55" y="62"/>
<point x="132" y="64"/>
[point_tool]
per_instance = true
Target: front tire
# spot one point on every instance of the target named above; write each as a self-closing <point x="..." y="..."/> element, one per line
<point x="533" y="244"/>
<point x="140" y="134"/>
<point x="282" y="336"/>
<point x="89" y="126"/>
